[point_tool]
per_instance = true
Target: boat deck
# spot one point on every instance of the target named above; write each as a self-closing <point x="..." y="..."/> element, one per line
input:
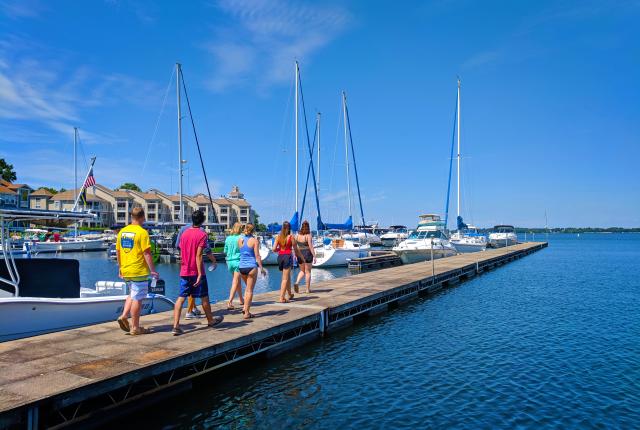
<point x="85" y="373"/>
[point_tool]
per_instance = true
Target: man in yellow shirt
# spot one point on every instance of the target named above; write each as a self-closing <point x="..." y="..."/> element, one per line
<point x="133" y="248"/>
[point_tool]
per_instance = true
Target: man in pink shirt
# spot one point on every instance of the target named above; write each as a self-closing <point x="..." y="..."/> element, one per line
<point x="193" y="280"/>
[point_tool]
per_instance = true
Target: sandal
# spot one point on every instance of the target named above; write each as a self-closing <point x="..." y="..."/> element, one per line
<point x="291" y="296"/>
<point x="177" y="331"/>
<point x="230" y="307"/>
<point x="124" y="324"/>
<point x="248" y="315"/>
<point x="296" y="289"/>
<point x="139" y="331"/>
<point x="283" y="301"/>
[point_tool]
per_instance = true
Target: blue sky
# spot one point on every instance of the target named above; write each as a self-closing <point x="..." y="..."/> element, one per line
<point x="550" y="101"/>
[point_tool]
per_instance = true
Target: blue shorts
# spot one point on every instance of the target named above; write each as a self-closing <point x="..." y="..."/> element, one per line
<point x="138" y="289"/>
<point x="188" y="289"/>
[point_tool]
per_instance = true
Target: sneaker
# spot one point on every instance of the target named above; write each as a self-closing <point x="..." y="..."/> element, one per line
<point x="191" y="316"/>
<point x="177" y="331"/>
<point x="216" y="320"/>
<point x="197" y="312"/>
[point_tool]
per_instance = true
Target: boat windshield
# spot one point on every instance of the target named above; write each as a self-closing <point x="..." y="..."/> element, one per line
<point x="436" y="234"/>
<point x="505" y="229"/>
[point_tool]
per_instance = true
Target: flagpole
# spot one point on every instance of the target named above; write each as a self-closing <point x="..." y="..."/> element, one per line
<point x="75" y="205"/>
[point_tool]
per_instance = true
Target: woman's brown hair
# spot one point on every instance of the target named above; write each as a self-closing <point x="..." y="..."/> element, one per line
<point x="284" y="233"/>
<point x="248" y="229"/>
<point x="304" y="228"/>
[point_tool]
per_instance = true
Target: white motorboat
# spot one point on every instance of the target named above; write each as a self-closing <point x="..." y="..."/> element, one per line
<point x="363" y="237"/>
<point x="337" y="252"/>
<point x="269" y="258"/>
<point x="503" y="235"/>
<point x="75" y="244"/>
<point x="48" y="289"/>
<point x="468" y="240"/>
<point x="395" y="235"/>
<point x="426" y="242"/>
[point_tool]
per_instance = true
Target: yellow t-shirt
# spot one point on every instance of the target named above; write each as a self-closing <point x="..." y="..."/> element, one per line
<point x="132" y="241"/>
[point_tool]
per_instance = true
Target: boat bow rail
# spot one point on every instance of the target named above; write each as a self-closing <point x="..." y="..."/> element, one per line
<point x="9" y="216"/>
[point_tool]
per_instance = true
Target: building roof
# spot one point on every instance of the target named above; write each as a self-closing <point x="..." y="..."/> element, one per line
<point x="70" y="196"/>
<point x="121" y="194"/>
<point x="241" y="203"/>
<point x="42" y="192"/>
<point x="13" y="186"/>
<point x="150" y="196"/>
<point x="6" y="190"/>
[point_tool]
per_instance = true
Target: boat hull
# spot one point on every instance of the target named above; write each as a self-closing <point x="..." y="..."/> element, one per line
<point x="269" y="258"/>
<point x="337" y="257"/>
<point x="410" y="256"/>
<point x="51" y="315"/>
<point x="71" y="246"/>
<point x="469" y="247"/>
<point x="500" y="241"/>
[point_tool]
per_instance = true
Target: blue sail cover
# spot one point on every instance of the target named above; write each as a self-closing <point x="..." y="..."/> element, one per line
<point x="461" y="224"/>
<point x="348" y="225"/>
<point x="275" y="227"/>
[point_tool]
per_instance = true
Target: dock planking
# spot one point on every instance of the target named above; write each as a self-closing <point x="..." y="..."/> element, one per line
<point x="66" y="377"/>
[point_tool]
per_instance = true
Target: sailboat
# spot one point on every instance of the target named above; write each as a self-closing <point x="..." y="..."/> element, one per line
<point x="266" y="243"/>
<point x="466" y="238"/>
<point x="337" y="247"/>
<point x="75" y="243"/>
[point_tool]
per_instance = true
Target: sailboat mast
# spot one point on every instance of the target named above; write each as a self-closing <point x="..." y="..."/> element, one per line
<point x="179" y="142"/>
<point x="318" y="126"/>
<point x="346" y="149"/>
<point x="296" y="121"/>
<point x="75" y="160"/>
<point x="458" y="126"/>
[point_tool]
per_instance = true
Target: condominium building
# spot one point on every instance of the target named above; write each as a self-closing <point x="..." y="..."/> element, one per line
<point x="14" y="195"/>
<point x="114" y="206"/>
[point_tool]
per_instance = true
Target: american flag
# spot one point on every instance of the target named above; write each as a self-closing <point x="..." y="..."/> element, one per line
<point x="91" y="181"/>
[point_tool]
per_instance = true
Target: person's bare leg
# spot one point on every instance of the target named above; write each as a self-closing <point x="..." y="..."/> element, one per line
<point x="300" y="273"/>
<point x="236" y="278"/>
<point x="191" y="304"/>
<point x="206" y="306"/>
<point x="248" y="294"/>
<point x="307" y="274"/>
<point x="283" y="286"/>
<point x="177" y="310"/>
<point x="287" y="274"/>
<point x="135" y="315"/>
<point x="127" y="308"/>
<point x="236" y="288"/>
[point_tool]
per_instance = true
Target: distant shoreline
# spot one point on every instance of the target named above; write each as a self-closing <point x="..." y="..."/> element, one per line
<point x="577" y="230"/>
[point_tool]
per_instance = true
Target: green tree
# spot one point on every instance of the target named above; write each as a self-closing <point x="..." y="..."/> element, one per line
<point x="52" y="190"/>
<point x="6" y="171"/>
<point x="256" y="222"/>
<point x="129" y="186"/>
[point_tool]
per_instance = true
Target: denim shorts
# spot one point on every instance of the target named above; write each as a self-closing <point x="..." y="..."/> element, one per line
<point x="138" y="289"/>
<point x="187" y="287"/>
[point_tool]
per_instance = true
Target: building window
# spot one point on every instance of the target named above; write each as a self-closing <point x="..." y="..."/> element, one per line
<point x="57" y="205"/>
<point x="224" y="210"/>
<point x="37" y="206"/>
<point x="122" y="205"/>
<point x="223" y="219"/>
<point x="243" y="219"/>
<point x="176" y="207"/>
<point x="243" y="211"/>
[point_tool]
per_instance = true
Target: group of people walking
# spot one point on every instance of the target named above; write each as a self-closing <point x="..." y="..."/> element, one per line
<point x="242" y="250"/>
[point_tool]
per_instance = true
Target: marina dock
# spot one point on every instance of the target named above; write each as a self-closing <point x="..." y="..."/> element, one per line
<point x="85" y="375"/>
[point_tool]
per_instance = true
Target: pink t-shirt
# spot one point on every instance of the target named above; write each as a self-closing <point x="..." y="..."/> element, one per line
<point x="190" y="241"/>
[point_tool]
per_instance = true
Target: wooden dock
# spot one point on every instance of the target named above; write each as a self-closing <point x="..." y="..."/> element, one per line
<point x="89" y="373"/>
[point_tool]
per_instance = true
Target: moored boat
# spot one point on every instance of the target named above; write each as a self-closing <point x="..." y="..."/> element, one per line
<point x="503" y="235"/>
<point x="395" y="235"/>
<point x="427" y="242"/>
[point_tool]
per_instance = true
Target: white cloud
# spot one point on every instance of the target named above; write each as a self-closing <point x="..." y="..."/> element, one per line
<point x="51" y="93"/>
<point x="267" y="37"/>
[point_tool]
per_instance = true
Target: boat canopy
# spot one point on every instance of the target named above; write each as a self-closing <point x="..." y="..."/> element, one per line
<point x="427" y="234"/>
<point x="461" y="224"/>
<point x="347" y="225"/>
<point x="275" y="227"/>
<point x="504" y="228"/>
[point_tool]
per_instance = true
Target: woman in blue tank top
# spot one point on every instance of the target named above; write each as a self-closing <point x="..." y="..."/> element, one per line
<point x="249" y="263"/>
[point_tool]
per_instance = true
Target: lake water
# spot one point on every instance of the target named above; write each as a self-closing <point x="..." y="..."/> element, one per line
<point x="548" y="341"/>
